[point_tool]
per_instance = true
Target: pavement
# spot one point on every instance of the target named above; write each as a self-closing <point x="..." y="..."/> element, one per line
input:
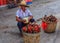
<point x="9" y="32"/>
<point x="3" y="7"/>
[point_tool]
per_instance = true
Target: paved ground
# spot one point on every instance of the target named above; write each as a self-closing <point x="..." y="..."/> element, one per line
<point x="9" y="32"/>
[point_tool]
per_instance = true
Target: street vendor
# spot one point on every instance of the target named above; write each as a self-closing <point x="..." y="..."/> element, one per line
<point x="23" y="12"/>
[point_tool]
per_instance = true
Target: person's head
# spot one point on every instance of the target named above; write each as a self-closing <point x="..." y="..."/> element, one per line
<point x="23" y="5"/>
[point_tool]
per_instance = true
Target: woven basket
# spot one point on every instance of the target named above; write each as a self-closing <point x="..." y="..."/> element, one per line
<point x="31" y="38"/>
<point x="51" y="27"/>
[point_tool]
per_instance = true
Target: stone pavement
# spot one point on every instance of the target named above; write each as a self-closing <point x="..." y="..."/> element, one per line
<point x="9" y="32"/>
<point x="3" y="7"/>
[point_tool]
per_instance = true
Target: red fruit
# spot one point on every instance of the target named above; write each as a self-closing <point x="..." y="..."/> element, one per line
<point x="29" y="29"/>
<point x="37" y="28"/>
<point x="24" y="29"/>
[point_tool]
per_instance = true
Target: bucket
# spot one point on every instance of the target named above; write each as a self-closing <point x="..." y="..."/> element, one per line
<point x="51" y="27"/>
<point x="31" y="38"/>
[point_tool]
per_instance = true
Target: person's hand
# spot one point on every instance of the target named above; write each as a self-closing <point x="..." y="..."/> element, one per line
<point x="30" y="18"/>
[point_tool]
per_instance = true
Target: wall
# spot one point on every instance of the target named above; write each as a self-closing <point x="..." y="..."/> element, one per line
<point x="3" y="2"/>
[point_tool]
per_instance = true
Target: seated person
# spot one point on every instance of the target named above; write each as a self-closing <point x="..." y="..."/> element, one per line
<point x="22" y="13"/>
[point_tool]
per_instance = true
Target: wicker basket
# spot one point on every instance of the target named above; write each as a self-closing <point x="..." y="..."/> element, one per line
<point x="31" y="38"/>
<point x="51" y="27"/>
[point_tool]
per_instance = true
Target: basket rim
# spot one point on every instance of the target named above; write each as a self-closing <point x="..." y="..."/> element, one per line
<point x="35" y="34"/>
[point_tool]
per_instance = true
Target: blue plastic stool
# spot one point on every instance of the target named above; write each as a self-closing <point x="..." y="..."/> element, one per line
<point x="28" y="3"/>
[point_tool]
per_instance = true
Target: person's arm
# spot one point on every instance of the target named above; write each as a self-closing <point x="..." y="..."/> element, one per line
<point x="17" y="17"/>
<point x="20" y="20"/>
<point x="30" y="15"/>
